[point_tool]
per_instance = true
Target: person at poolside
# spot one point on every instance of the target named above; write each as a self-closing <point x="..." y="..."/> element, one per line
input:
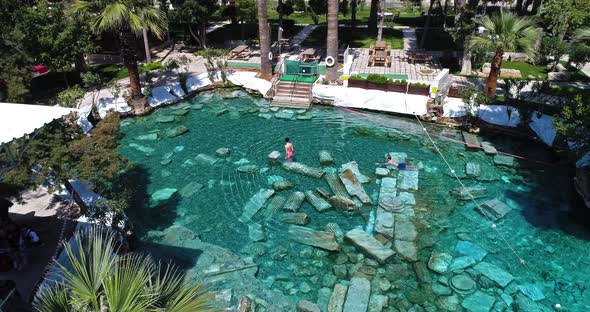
<point x="288" y="150"/>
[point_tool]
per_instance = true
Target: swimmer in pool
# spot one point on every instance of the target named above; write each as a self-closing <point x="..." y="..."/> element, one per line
<point x="288" y="150"/>
<point x="391" y="162"/>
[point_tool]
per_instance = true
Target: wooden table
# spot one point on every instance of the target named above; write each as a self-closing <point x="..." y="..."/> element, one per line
<point x="238" y="52"/>
<point x="381" y="58"/>
<point x="419" y="56"/>
<point x="308" y="54"/>
<point x="380" y="45"/>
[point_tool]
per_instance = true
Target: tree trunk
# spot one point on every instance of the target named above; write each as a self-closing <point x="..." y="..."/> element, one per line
<point x="536" y="5"/>
<point x="65" y="73"/>
<point x="279" y="31"/>
<point x="332" y="40"/>
<point x="353" y="12"/>
<point x="195" y="36"/>
<point x="80" y="63"/>
<point x="466" y="63"/>
<point x="492" y="81"/>
<point x="280" y="11"/>
<point x="372" y="24"/>
<point x="525" y="7"/>
<point x="203" y="33"/>
<point x="381" y="20"/>
<point x="134" y="83"/>
<point x="264" y="35"/>
<point x="130" y="61"/>
<point x="234" y="16"/>
<point x="146" y="45"/>
<point x="518" y="7"/>
<point x="426" y="25"/>
<point x="75" y="196"/>
<point x="445" y="11"/>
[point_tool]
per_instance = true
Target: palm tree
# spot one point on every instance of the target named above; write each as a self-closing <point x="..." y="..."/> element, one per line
<point x="505" y="32"/>
<point x="264" y="35"/>
<point x="582" y="35"/>
<point x="101" y="280"/>
<point x="332" y="39"/>
<point x="128" y="19"/>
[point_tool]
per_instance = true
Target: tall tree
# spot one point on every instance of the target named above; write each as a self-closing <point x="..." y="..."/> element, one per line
<point x="561" y="17"/>
<point x="505" y="32"/>
<point x="381" y="20"/>
<point x="195" y="13"/>
<point x="57" y="39"/>
<point x="332" y="40"/>
<point x="61" y="152"/>
<point x="264" y="35"/>
<point x="353" y="5"/>
<point x="283" y="9"/>
<point x="99" y="279"/>
<point x="317" y="8"/>
<point x="127" y="18"/>
<point x="518" y="7"/>
<point x="374" y="11"/>
<point x="15" y="59"/>
<point x="426" y="25"/>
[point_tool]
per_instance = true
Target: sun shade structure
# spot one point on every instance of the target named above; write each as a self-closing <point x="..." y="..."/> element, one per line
<point x="17" y="120"/>
<point x="20" y="120"/>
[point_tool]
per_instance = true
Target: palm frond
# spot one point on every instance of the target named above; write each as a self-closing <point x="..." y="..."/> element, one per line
<point x="80" y="7"/>
<point x="507" y="32"/>
<point x="113" y="17"/>
<point x="176" y="295"/>
<point x="136" y="24"/>
<point x="53" y="298"/>
<point x="582" y="35"/>
<point x="165" y="282"/>
<point x="193" y="298"/>
<point x="92" y="258"/>
<point x="126" y="287"/>
<point x="154" y="19"/>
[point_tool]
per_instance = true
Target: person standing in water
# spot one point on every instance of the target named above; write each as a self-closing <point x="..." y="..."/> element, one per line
<point x="288" y="150"/>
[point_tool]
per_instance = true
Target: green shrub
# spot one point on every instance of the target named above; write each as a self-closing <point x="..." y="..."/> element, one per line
<point x="400" y="82"/>
<point x="374" y="78"/>
<point x="418" y="84"/>
<point x="150" y="67"/>
<point x="356" y="77"/>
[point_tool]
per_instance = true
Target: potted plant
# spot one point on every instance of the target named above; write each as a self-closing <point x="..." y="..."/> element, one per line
<point x="377" y="82"/>
<point x="418" y="88"/>
<point x="398" y="86"/>
<point x="357" y="81"/>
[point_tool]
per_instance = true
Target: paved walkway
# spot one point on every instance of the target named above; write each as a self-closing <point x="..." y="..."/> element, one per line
<point x="296" y="41"/>
<point x="44" y="213"/>
<point x="410" y="39"/>
<point x="399" y="66"/>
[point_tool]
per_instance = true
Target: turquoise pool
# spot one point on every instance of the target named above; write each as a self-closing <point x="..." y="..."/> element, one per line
<point x="194" y="217"/>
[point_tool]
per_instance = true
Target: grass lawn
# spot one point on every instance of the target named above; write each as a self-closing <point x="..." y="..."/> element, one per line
<point x="355" y="38"/>
<point x="116" y="72"/>
<point x="247" y="32"/>
<point x="437" y="40"/>
<point x="527" y="69"/>
<point x="407" y="17"/>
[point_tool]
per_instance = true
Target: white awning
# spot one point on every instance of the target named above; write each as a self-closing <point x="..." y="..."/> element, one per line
<point x="18" y="120"/>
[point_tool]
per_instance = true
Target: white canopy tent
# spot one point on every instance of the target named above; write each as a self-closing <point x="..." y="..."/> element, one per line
<point x="22" y="120"/>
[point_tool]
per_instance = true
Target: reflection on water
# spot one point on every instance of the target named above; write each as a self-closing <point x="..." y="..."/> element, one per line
<point x="208" y="195"/>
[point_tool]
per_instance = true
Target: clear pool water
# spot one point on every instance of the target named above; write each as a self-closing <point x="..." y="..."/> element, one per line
<point x="546" y="226"/>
